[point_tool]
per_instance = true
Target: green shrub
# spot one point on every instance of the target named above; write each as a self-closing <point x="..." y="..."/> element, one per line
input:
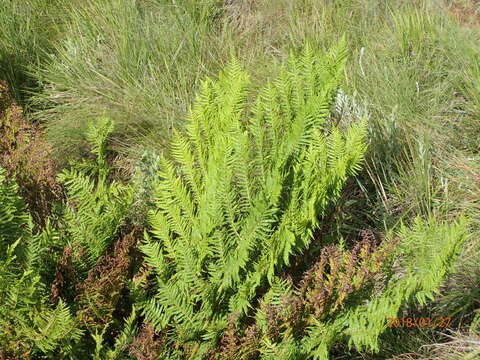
<point x="243" y="195"/>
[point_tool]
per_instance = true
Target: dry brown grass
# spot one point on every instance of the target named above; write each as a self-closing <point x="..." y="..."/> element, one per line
<point x="466" y="12"/>
<point x="458" y="346"/>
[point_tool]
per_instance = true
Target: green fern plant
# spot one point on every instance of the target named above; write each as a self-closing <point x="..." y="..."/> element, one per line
<point x="428" y="252"/>
<point x="244" y="192"/>
<point x="122" y="342"/>
<point x="28" y="324"/>
<point x="95" y="211"/>
<point x="306" y="321"/>
<point x="97" y="207"/>
<point x="14" y="220"/>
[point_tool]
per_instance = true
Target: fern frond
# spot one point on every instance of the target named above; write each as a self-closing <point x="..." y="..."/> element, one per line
<point x="243" y="195"/>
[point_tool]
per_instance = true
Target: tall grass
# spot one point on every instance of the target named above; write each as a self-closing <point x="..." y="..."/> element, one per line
<point x="140" y="61"/>
<point x="137" y="61"/>
<point x="27" y="29"/>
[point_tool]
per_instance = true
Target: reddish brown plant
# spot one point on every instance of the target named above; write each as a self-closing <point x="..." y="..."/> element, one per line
<point x="100" y="293"/>
<point x="147" y="345"/>
<point x="25" y="155"/>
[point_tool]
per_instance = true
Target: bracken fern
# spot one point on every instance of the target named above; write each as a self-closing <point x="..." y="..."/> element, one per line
<point x="244" y="192"/>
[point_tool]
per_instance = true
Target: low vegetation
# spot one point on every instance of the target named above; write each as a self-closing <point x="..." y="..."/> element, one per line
<point x="239" y="179"/>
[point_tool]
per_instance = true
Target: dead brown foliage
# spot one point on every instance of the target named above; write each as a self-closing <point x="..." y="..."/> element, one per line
<point x="458" y="346"/>
<point x="8" y="356"/>
<point x="339" y="273"/>
<point x="237" y="345"/>
<point x="147" y="344"/>
<point x="465" y="12"/>
<point x="26" y="155"/>
<point x="65" y="274"/>
<point x="100" y="293"/>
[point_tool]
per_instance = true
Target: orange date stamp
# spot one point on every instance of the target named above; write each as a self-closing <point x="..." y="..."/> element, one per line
<point x="441" y="322"/>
